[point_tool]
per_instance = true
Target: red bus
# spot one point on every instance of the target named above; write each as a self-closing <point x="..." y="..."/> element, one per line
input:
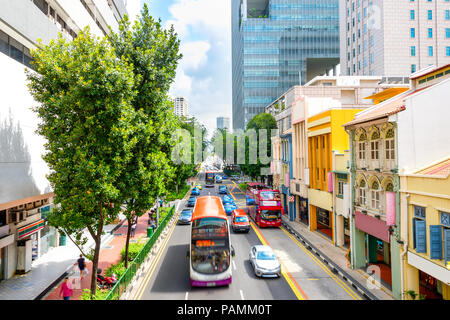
<point x="210" y="248"/>
<point x="252" y="189"/>
<point x="267" y="209"/>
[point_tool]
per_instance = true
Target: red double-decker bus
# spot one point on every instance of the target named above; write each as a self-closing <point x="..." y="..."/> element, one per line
<point x="267" y="209"/>
<point x="252" y="190"/>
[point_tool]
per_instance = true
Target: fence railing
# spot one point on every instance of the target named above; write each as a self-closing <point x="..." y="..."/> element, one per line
<point x="128" y="276"/>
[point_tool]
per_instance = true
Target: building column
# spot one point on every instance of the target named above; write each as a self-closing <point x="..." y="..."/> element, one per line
<point x="313" y="218"/>
<point x="339" y="229"/>
<point x="358" y="247"/>
<point x="411" y="280"/>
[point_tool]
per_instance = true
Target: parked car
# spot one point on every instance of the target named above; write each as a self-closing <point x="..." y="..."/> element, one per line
<point x="224" y="177"/>
<point x="195" y="192"/>
<point x="218" y="179"/>
<point x="191" y="201"/>
<point x="240" y="221"/>
<point x="185" y="216"/>
<point x="223" y="190"/>
<point x="264" y="261"/>
<point x="229" y="207"/>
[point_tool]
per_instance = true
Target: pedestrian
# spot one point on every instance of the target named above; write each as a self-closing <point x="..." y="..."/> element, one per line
<point x="153" y="226"/>
<point x="133" y="227"/>
<point x="66" y="290"/>
<point x="81" y="265"/>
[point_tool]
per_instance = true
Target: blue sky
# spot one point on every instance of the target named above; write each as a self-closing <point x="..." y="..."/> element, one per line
<point x="204" y="73"/>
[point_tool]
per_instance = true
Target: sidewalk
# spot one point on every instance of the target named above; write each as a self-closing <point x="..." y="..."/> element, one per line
<point x="46" y="270"/>
<point x="336" y="255"/>
<point x="110" y="254"/>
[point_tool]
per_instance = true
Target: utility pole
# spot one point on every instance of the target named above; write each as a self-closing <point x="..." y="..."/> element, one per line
<point x="157" y="212"/>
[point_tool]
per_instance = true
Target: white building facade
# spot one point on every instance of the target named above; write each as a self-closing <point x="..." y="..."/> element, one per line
<point x="25" y="193"/>
<point x="180" y="106"/>
<point x="393" y="37"/>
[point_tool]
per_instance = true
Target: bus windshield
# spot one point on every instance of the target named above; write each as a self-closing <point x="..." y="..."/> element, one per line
<point x="210" y="246"/>
<point x="270" y="215"/>
<point x="269" y="195"/>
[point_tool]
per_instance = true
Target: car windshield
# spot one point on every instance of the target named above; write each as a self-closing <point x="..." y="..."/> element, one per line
<point x="241" y="219"/>
<point x="265" y="255"/>
<point x="186" y="213"/>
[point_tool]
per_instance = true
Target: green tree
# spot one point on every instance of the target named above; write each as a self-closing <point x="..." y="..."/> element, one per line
<point x="154" y="54"/>
<point x="84" y="93"/>
<point x="262" y="124"/>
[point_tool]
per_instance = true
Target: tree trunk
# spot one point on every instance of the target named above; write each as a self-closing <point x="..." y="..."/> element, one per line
<point x="98" y="240"/>
<point x="127" y="244"/>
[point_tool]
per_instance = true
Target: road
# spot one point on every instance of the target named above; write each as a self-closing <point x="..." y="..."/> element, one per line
<point x="303" y="275"/>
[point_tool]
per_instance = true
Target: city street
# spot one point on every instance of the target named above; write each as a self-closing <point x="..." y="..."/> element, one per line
<point x="303" y="277"/>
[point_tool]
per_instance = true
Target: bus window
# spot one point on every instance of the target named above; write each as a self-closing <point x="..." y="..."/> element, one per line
<point x="270" y="214"/>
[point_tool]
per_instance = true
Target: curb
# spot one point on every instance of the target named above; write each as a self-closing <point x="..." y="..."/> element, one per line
<point x="333" y="267"/>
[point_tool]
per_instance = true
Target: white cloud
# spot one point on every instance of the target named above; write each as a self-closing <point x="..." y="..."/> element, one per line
<point x="204" y="73"/>
<point x="133" y="8"/>
<point x="195" y="54"/>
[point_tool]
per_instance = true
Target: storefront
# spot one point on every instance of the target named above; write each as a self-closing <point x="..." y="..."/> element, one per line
<point x="28" y="245"/>
<point x="303" y="210"/>
<point x="346" y="233"/>
<point x="324" y="222"/>
<point x="377" y="246"/>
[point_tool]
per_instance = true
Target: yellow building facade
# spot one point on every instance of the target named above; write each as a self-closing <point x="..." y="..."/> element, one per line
<point x="425" y="211"/>
<point x="327" y="139"/>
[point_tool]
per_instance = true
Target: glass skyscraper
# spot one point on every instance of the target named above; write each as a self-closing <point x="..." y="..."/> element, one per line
<point x="277" y="44"/>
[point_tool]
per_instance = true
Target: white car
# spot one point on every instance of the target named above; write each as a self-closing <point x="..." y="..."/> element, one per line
<point x="264" y="261"/>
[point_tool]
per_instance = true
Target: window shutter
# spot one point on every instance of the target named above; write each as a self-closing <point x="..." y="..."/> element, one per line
<point x="447" y="245"/>
<point x="436" y="242"/>
<point x="421" y="234"/>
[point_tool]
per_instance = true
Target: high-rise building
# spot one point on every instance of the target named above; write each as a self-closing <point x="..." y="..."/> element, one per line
<point x="180" y="106"/>
<point x="25" y="193"/>
<point x="393" y="37"/>
<point x="223" y="122"/>
<point x="277" y="44"/>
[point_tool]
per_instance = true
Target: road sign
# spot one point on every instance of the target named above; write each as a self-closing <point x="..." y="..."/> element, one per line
<point x="291" y="199"/>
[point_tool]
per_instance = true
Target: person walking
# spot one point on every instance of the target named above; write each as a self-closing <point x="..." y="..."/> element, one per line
<point x="133" y="227"/>
<point x="81" y="265"/>
<point x="66" y="290"/>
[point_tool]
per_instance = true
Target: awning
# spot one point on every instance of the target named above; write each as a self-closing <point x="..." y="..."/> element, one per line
<point x="372" y="226"/>
<point x="30" y="229"/>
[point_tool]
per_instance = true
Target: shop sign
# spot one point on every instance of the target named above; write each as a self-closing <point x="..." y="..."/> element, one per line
<point x="30" y="229"/>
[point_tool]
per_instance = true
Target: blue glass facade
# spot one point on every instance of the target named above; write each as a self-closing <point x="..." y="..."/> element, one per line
<point x="271" y="42"/>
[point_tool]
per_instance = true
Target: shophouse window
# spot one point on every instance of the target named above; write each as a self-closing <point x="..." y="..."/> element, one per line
<point x="374" y="146"/>
<point x="419" y="229"/>
<point x="375" y="195"/>
<point x="389" y="144"/>
<point x="362" y="147"/>
<point x="362" y="192"/>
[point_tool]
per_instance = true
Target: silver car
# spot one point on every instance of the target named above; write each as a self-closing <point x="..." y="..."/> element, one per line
<point x="264" y="261"/>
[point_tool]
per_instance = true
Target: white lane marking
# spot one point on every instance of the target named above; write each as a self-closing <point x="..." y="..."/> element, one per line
<point x="242" y="294"/>
<point x="186" y="296"/>
<point x="234" y="265"/>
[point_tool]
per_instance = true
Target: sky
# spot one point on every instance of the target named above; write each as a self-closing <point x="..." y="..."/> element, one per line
<point x="204" y="73"/>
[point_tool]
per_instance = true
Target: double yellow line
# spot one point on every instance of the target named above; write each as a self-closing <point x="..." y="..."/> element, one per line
<point x="325" y="268"/>
<point x="299" y="293"/>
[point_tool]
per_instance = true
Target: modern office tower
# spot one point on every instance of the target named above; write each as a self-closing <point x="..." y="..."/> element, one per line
<point x="223" y="122"/>
<point x="393" y="37"/>
<point x="25" y="193"/>
<point x="277" y="44"/>
<point x="180" y="106"/>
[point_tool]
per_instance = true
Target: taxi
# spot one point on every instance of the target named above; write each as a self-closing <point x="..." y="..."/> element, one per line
<point x="198" y="186"/>
<point x="240" y="221"/>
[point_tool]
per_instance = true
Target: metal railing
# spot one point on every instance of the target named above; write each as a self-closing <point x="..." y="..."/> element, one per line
<point x="128" y="276"/>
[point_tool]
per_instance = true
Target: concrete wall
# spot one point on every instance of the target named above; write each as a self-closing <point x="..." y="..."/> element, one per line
<point x="21" y="166"/>
<point x="420" y="142"/>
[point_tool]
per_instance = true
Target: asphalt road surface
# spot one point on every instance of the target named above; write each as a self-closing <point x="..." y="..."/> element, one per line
<point x="303" y="275"/>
